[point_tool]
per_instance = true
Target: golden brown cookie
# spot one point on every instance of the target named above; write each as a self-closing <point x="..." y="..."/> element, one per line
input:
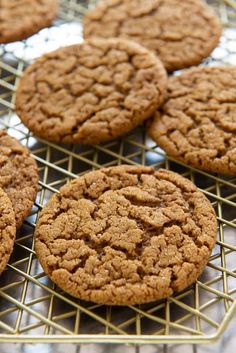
<point x="20" y="19"/>
<point x="7" y="229"/>
<point x="181" y="32"/>
<point x="126" y="235"/>
<point x="91" y="92"/>
<point x="197" y="123"/>
<point x="18" y="175"/>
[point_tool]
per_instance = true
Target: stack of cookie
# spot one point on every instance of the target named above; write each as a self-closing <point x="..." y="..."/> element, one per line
<point x="131" y="235"/>
<point x="18" y="189"/>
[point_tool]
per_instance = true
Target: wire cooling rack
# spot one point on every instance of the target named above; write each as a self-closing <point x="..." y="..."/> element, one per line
<point x="32" y="308"/>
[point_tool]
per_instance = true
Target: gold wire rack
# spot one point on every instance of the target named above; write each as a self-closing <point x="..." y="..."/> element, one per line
<point x="32" y="308"/>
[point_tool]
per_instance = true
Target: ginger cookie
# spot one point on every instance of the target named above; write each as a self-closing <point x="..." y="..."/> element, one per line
<point x="18" y="175"/>
<point x="19" y="19"/>
<point x="197" y="123"/>
<point x="91" y="92"/>
<point x="7" y="229"/>
<point x="181" y="33"/>
<point x="126" y="235"/>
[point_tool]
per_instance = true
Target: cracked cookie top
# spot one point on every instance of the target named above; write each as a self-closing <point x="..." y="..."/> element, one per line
<point x="7" y="229"/>
<point x="91" y="92"/>
<point x="20" y="19"/>
<point x="181" y="33"/>
<point x="125" y="235"/>
<point x="197" y="123"/>
<point x="18" y="175"/>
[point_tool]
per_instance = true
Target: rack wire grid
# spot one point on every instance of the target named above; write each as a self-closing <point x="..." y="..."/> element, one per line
<point x="32" y="308"/>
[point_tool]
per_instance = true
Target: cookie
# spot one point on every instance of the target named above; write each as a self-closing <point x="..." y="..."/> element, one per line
<point x="7" y="229"/>
<point x="18" y="175"/>
<point x="90" y="92"/>
<point x="19" y="19"/>
<point x="181" y="33"/>
<point x="125" y="235"/>
<point x="197" y="123"/>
